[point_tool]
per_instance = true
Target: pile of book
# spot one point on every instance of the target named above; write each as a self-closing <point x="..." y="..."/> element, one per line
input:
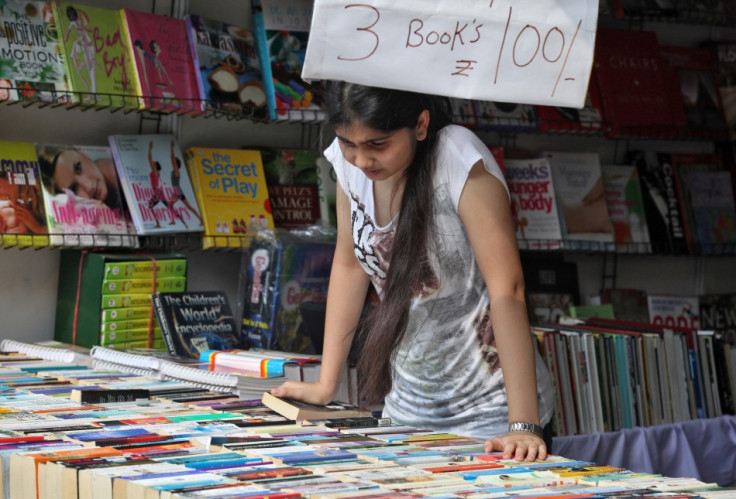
<point x="72" y="431"/>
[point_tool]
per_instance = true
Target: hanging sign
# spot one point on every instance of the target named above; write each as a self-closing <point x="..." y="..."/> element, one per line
<point x="521" y="51"/>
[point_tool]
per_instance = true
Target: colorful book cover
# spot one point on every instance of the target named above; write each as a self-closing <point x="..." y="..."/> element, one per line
<point x="291" y="176"/>
<point x="31" y="67"/>
<point x="636" y="99"/>
<point x="196" y="321"/>
<point x="580" y="197"/>
<point x="661" y="204"/>
<point x="82" y="195"/>
<point x="505" y="116"/>
<point x="97" y="55"/>
<point x="698" y="84"/>
<point x="626" y="208"/>
<point x="281" y="29"/>
<point x="230" y="186"/>
<point x="163" y="62"/>
<point x="229" y="69"/>
<point x="533" y="206"/>
<point x="284" y="291"/>
<point x="327" y="188"/>
<point x="22" y="211"/>
<point x="155" y="183"/>
<point x="674" y="311"/>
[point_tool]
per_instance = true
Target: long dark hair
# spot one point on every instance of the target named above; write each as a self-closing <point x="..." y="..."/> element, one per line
<point x="385" y="325"/>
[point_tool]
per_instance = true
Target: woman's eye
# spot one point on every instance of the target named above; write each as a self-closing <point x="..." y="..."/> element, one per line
<point x="77" y="167"/>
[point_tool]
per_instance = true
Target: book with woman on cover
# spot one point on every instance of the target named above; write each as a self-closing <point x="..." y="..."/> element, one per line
<point x="300" y="411"/>
<point x="155" y="183"/>
<point x="84" y="203"/>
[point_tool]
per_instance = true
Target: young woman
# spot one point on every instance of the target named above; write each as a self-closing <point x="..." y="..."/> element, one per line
<point x="424" y="215"/>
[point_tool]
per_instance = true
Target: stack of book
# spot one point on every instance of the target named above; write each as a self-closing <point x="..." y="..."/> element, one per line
<point x="143" y="437"/>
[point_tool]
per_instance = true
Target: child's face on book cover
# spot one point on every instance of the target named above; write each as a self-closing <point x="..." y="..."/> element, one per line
<point x="76" y="172"/>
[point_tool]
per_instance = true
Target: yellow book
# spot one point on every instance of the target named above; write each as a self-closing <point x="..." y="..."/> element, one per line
<point x="112" y="301"/>
<point x="174" y="267"/>
<point x="125" y="313"/>
<point x="22" y="212"/>
<point x="142" y="286"/>
<point x="230" y="186"/>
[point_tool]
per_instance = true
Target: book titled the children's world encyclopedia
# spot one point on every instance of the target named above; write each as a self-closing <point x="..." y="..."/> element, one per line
<point x="156" y="184"/>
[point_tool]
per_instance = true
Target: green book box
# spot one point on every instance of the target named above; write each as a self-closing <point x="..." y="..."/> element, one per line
<point x="93" y="271"/>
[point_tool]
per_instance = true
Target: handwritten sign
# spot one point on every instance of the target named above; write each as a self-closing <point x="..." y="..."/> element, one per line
<point x="522" y="51"/>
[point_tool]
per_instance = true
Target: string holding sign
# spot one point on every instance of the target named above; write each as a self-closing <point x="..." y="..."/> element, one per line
<point x="523" y="51"/>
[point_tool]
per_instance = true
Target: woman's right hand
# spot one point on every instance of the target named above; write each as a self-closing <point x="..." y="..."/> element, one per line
<point x="312" y="393"/>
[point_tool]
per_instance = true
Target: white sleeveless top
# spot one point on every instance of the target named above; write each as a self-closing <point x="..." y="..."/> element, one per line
<point x="446" y="372"/>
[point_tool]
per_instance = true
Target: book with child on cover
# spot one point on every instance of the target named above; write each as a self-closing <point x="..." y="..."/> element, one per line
<point x="155" y="183"/>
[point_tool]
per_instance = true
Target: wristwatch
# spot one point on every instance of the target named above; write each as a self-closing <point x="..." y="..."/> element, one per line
<point x="530" y="427"/>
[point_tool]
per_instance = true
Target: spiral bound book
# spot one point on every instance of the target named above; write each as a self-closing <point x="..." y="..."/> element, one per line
<point x="65" y="354"/>
<point x="99" y="353"/>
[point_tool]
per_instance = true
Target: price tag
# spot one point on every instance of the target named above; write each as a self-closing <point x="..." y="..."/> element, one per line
<point x="522" y="51"/>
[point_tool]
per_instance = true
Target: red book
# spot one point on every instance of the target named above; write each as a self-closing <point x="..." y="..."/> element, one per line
<point x="163" y="60"/>
<point x="629" y="71"/>
<point x="589" y="119"/>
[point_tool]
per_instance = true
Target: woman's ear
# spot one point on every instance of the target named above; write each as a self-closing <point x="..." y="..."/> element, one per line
<point x="422" y="125"/>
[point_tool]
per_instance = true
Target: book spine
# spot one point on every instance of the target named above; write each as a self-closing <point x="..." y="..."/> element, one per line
<point x="192" y="39"/>
<point x="133" y="66"/>
<point x="144" y="269"/>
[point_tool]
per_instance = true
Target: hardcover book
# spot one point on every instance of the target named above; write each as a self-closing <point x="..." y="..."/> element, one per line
<point x="163" y="62"/>
<point x="626" y="208"/>
<point x="580" y="197"/>
<point x="291" y="176"/>
<point x="226" y="57"/>
<point x="281" y="30"/>
<point x="82" y="195"/>
<point x="588" y="119"/>
<point x="533" y="205"/>
<point x="714" y="210"/>
<point x="97" y="55"/>
<point x="31" y="67"/>
<point x="300" y="411"/>
<point x="698" y="84"/>
<point x="155" y="183"/>
<point x="230" y="187"/>
<point x="22" y="212"/>
<point x="628" y="69"/>
<point x="196" y="321"/>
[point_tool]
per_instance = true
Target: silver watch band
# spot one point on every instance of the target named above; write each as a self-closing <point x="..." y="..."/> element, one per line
<point x="530" y="427"/>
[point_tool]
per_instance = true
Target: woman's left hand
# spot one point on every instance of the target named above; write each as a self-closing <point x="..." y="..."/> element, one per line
<point x="519" y="445"/>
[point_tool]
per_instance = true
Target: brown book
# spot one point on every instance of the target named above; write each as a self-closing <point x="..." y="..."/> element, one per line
<point x="300" y="411"/>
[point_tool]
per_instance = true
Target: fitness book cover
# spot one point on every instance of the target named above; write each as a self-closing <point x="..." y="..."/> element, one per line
<point x="155" y="183"/>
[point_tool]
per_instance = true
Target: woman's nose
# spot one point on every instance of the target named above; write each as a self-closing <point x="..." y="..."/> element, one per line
<point x="363" y="159"/>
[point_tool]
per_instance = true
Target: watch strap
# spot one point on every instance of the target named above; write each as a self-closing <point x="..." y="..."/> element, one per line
<point x="530" y="427"/>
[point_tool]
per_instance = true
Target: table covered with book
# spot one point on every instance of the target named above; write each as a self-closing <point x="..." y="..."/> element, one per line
<point x="69" y="429"/>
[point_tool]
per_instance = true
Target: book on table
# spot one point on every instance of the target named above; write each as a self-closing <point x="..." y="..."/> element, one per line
<point x="300" y="411"/>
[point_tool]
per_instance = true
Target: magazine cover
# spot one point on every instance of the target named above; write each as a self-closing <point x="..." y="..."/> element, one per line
<point x="82" y="196"/>
<point x="97" y="55"/>
<point x="22" y="212"/>
<point x="155" y="183"/>
<point x="230" y="187"/>
<point x="626" y="208"/>
<point x="229" y="69"/>
<point x="31" y="67"/>
<point x="674" y="311"/>
<point x="164" y="67"/>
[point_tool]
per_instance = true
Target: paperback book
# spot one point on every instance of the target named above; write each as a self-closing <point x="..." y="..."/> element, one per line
<point x="626" y="208"/>
<point x="155" y="183"/>
<point x="22" y="211"/>
<point x="82" y="196"/>
<point x="196" y="321"/>
<point x="226" y="57"/>
<point x="533" y="205"/>
<point x="299" y="411"/>
<point x="674" y="311"/>
<point x="31" y="67"/>
<point x="163" y="63"/>
<point x="281" y="30"/>
<point x="230" y="187"/>
<point x="97" y="55"/>
<point x="291" y="176"/>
